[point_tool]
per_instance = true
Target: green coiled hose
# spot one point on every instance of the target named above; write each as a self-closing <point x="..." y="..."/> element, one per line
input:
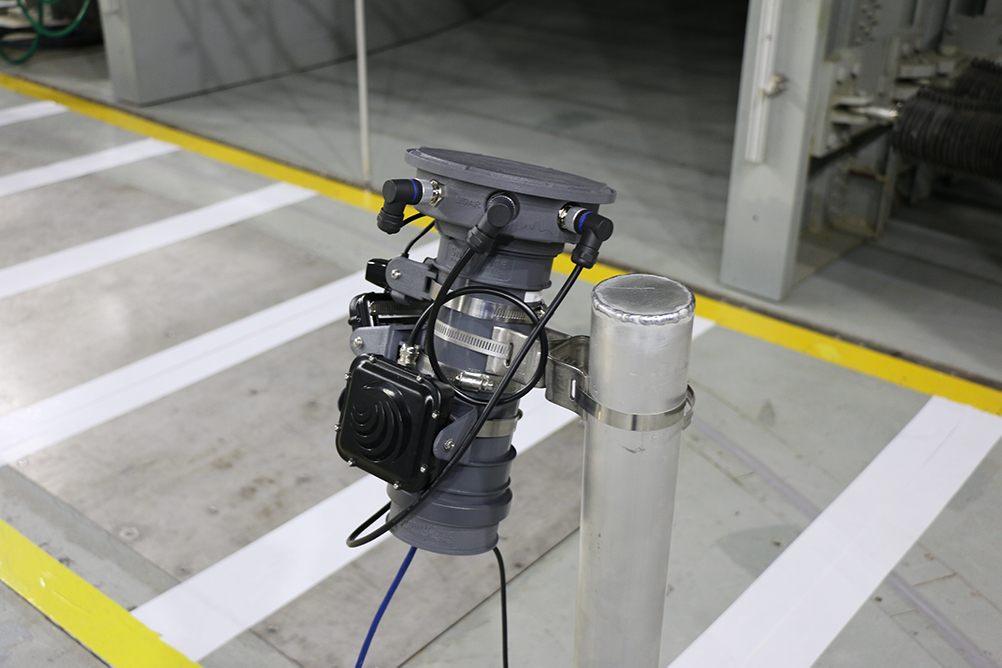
<point x="41" y="30"/>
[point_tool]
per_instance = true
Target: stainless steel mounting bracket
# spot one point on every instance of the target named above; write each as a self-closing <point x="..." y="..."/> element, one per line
<point x="567" y="384"/>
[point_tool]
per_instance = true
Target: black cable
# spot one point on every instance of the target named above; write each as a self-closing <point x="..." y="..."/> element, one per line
<point x="544" y="343"/>
<point x="447" y="284"/>
<point x="504" y="610"/>
<point x="354" y="540"/>
<point x="366" y="524"/>
<point x="423" y="232"/>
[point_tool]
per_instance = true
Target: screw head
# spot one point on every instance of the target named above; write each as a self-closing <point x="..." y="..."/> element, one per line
<point x="395" y="274"/>
<point x="358" y="342"/>
<point x="434" y="415"/>
<point x="423" y="469"/>
<point x="449" y="445"/>
<point x="337" y="428"/>
<point x="347" y="376"/>
<point x="396" y="485"/>
<point x="351" y="461"/>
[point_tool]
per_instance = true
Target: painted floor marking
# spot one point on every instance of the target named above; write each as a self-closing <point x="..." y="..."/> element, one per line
<point x="83" y="165"/>
<point x="797" y="607"/>
<point x="79" y="608"/>
<point x="107" y="397"/>
<point x="218" y="604"/>
<point x="208" y="610"/>
<point x="29" y="112"/>
<point x="889" y="368"/>
<point x="215" y="150"/>
<point x="701" y="325"/>
<point x="108" y="250"/>
<point x="85" y="406"/>
<point x="205" y="612"/>
<point x="954" y="637"/>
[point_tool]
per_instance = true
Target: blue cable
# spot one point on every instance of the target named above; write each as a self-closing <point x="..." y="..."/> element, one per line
<point x="383" y="605"/>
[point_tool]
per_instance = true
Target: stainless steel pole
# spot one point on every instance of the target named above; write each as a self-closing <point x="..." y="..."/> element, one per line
<point x="637" y="399"/>
<point x="363" y="91"/>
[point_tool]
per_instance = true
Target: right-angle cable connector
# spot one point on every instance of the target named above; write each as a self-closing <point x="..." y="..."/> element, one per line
<point x="397" y="194"/>
<point x="501" y="210"/>
<point x="593" y="227"/>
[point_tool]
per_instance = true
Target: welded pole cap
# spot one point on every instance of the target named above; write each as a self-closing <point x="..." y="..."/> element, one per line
<point x="644" y="299"/>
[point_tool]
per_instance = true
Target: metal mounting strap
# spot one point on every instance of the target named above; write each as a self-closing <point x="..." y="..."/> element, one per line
<point x="632" y="422"/>
<point x="487" y="310"/>
<point x="499" y="427"/>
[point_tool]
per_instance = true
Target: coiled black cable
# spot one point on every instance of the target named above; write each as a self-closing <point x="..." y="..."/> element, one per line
<point x="430" y="316"/>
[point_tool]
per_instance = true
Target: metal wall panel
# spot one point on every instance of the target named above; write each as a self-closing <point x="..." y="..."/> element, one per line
<point x="163" y="49"/>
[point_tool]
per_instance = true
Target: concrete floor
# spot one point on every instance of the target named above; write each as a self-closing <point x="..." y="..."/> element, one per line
<point x="156" y="496"/>
<point x="189" y="479"/>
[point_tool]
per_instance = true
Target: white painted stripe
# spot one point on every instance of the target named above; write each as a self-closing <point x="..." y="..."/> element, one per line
<point x="95" y="402"/>
<point x="796" y="608"/>
<point x="701" y="325"/>
<point x="205" y="612"/>
<point x="115" y="248"/>
<point x="85" y="164"/>
<point x="29" y="112"/>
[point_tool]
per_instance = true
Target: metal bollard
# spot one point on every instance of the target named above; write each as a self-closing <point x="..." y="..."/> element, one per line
<point x="637" y="403"/>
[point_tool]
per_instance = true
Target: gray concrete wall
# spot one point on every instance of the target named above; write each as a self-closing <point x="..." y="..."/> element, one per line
<point x="164" y="49"/>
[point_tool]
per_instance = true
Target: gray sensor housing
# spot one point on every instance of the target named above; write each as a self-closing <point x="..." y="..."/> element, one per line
<point x="462" y="516"/>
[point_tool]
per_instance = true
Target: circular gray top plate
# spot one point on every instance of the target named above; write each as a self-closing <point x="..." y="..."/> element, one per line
<point x="504" y="174"/>
<point x="644" y="299"/>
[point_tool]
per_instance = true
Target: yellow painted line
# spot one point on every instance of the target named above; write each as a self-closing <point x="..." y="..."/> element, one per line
<point x="230" y="155"/>
<point x="808" y="342"/>
<point x="852" y="356"/>
<point x="100" y="624"/>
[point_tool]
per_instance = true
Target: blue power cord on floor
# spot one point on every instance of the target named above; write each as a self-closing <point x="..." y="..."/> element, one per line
<point x="383" y="606"/>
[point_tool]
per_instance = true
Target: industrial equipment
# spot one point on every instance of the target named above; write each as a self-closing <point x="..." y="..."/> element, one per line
<point x="446" y="350"/>
<point x="822" y="80"/>
<point x="449" y="345"/>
